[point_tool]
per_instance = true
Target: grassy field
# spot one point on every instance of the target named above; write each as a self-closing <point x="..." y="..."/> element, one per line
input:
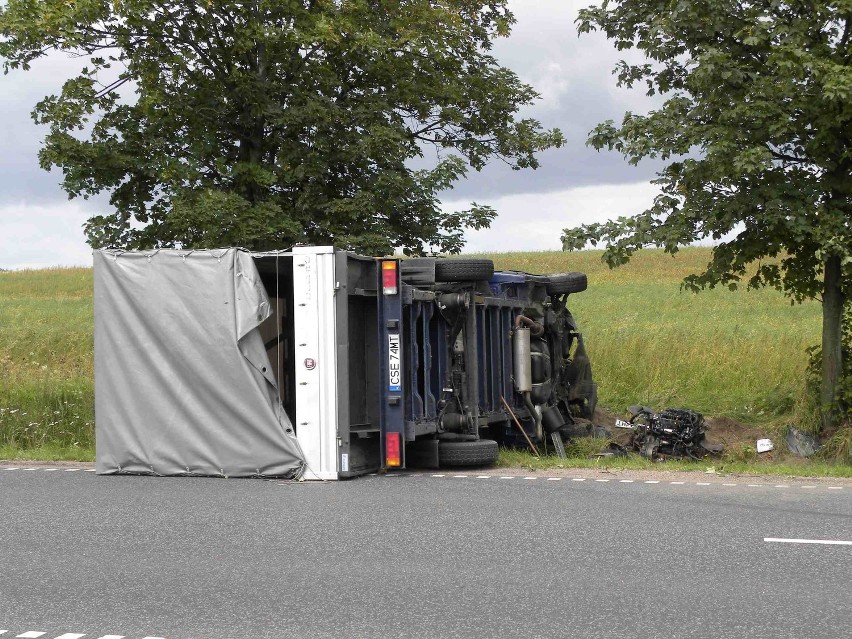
<point x="735" y="354"/>
<point x="46" y="364"/>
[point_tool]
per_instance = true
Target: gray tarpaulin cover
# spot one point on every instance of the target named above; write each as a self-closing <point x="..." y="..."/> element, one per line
<point x="183" y="384"/>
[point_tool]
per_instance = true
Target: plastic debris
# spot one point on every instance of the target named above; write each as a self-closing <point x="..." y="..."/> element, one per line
<point x="799" y="443"/>
<point x="765" y="445"/>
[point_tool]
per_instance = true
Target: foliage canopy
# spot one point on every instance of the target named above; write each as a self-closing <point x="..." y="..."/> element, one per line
<point x="269" y="122"/>
<point x="755" y="123"/>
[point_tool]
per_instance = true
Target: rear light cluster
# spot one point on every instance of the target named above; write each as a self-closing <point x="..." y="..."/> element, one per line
<point x="393" y="452"/>
<point x="389" y="279"/>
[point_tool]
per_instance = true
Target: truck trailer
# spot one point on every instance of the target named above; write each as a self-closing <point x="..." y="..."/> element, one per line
<point x="319" y="363"/>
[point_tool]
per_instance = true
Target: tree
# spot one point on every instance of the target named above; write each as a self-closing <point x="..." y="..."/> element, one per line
<point x="755" y="125"/>
<point x="270" y="122"/>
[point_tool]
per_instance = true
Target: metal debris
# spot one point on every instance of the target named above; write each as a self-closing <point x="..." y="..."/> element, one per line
<point x="675" y="432"/>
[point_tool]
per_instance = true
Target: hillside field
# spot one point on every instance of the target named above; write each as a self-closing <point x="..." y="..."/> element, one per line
<point x="738" y="355"/>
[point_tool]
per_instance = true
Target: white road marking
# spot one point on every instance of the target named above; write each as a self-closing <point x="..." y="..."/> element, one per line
<point x="677" y="483"/>
<point x="112" y="637"/>
<point x="702" y="483"/>
<point x="625" y="481"/>
<point x="807" y="486"/>
<point x="602" y="480"/>
<point x="729" y="484"/>
<point x="29" y="469"/>
<point x="3" y="632"/>
<point x="829" y="542"/>
<point x="835" y="487"/>
<point x="578" y="479"/>
<point x="70" y="635"/>
<point x="152" y="638"/>
<point x="533" y="478"/>
<point x="781" y="486"/>
<point x="460" y="476"/>
<point x="554" y="479"/>
<point x="754" y="485"/>
<point x="47" y="470"/>
<point x="32" y="634"/>
<point x="438" y="475"/>
<point x="71" y="470"/>
<point x="91" y="470"/>
<point x="482" y="476"/>
<point x="652" y="481"/>
<point x="507" y="477"/>
<point x="15" y="468"/>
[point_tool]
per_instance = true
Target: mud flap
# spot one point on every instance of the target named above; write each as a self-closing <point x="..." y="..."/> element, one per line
<point x="422" y="454"/>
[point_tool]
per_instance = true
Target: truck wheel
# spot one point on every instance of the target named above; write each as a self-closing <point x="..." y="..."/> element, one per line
<point x="482" y="452"/>
<point x="463" y="270"/>
<point x="561" y="283"/>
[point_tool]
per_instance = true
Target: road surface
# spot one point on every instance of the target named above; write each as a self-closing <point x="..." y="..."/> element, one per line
<point x="427" y="555"/>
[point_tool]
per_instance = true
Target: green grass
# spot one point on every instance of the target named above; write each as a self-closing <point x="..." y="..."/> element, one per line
<point x="46" y="362"/>
<point x="736" y="354"/>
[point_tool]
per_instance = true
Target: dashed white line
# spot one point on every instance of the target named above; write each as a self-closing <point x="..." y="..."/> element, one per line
<point x="677" y="483"/>
<point x="460" y="476"/>
<point x="15" y="468"/>
<point x="531" y="478"/>
<point x="438" y="475"/>
<point x="70" y="635"/>
<point x="71" y="470"/>
<point x="754" y="485"/>
<point x="507" y="477"/>
<point x="112" y="637"/>
<point x="152" y="638"/>
<point x="729" y="484"/>
<point x="807" y="486"/>
<point x="483" y="476"/>
<point x="625" y="481"/>
<point x="3" y="632"/>
<point x="702" y="483"/>
<point x="32" y="634"/>
<point x="781" y="486"/>
<point x="554" y="479"/>
<point x="578" y="479"/>
<point x="29" y="469"/>
<point x="602" y="480"/>
<point x="652" y="481"/>
<point x="827" y="542"/>
<point x="835" y="487"/>
<point x="90" y="470"/>
<point x="47" y="470"/>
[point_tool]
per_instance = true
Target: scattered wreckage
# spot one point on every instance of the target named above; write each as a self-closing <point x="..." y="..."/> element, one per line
<point x="675" y="432"/>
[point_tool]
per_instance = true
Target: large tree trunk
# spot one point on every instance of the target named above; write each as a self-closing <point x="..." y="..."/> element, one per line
<point x="832" y="317"/>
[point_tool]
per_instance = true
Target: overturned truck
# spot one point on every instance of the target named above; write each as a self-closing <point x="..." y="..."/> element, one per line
<point x="320" y="363"/>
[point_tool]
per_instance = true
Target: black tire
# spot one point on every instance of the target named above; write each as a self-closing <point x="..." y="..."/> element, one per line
<point x="562" y="283"/>
<point x="482" y="452"/>
<point x="463" y="270"/>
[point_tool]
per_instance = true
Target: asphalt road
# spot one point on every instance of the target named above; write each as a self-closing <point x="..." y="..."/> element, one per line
<point x="419" y="556"/>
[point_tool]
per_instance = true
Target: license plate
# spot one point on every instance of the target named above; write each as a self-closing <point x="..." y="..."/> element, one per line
<point x="620" y="423"/>
<point x="394" y="370"/>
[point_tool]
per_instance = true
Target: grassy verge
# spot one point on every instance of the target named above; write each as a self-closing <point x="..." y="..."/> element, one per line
<point x="780" y="465"/>
<point x="46" y="364"/>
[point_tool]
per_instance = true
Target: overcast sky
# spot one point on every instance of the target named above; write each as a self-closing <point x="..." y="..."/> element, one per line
<point x="39" y="226"/>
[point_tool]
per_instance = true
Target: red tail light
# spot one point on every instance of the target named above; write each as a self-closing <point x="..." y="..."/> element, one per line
<point x="392" y="450"/>
<point x="389" y="269"/>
